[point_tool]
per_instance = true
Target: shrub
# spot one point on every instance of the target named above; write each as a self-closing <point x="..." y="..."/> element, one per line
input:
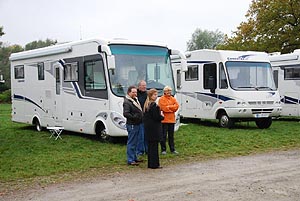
<point x="5" y="96"/>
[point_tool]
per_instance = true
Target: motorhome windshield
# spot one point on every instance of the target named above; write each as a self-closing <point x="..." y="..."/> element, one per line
<point x="250" y="75"/>
<point x="137" y="62"/>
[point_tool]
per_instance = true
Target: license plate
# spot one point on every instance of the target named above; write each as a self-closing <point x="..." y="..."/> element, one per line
<point x="261" y="115"/>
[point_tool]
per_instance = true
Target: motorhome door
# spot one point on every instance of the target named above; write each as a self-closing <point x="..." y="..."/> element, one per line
<point x="58" y="93"/>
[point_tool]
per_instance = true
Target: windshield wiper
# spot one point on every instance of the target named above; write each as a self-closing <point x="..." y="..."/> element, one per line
<point x="158" y="89"/>
<point x="258" y="88"/>
<point x="248" y="87"/>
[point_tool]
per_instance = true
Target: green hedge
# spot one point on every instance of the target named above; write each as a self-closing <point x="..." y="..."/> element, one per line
<point x="5" y="96"/>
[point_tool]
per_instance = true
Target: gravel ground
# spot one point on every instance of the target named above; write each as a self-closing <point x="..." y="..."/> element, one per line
<point x="273" y="176"/>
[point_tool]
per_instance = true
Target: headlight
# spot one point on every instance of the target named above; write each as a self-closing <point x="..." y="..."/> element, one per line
<point x="277" y="102"/>
<point x="239" y="103"/>
<point x="118" y="120"/>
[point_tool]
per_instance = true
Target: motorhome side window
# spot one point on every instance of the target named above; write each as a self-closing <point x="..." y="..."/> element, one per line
<point x="94" y="75"/>
<point x="275" y="75"/>
<point x="292" y="73"/>
<point x="19" y="72"/>
<point x="41" y="73"/>
<point x="178" y="79"/>
<point x="223" y="81"/>
<point x="192" y="73"/>
<point x="209" y="75"/>
<point x="71" y="72"/>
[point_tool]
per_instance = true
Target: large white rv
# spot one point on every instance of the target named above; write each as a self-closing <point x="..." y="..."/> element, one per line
<point x="286" y="69"/>
<point x="81" y="85"/>
<point x="229" y="86"/>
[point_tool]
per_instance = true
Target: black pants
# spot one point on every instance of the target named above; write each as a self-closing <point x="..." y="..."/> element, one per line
<point x="167" y="130"/>
<point x="153" y="156"/>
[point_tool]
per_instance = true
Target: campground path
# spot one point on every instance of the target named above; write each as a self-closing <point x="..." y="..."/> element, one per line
<point x="272" y="176"/>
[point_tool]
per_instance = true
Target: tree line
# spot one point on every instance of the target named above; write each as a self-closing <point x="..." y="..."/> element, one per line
<point x="270" y="26"/>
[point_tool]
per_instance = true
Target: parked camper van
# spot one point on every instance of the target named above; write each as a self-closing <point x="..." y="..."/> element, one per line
<point x="81" y="85"/>
<point x="286" y="69"/>
<point x="229" y="86"/>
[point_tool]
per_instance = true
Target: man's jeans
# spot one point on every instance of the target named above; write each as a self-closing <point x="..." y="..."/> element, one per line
<point x="133" y="132"/>
<point x="142" y="144"/>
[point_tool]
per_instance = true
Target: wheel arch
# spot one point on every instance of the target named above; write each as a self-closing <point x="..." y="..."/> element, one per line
<point x="36" y="118"/>
<point x="220" y="112"/>
<point x="99" y="125"/>
<point x="36" y="121"/>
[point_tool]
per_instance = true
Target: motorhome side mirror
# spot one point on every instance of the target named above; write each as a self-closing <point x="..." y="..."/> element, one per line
<point x="211" y="84"/>
<point x="184" y="67"/>
<point x="182" y="57"/>
<point x="111" y="62"/>
<point x="110" y="58"/>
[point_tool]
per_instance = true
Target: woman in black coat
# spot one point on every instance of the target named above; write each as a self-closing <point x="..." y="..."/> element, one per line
<point x="152" y="122"/>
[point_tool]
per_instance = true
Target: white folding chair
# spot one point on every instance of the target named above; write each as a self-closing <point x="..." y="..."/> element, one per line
<point x="55" y="132"/>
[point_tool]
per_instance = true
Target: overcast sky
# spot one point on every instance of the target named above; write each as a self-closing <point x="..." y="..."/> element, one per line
<point x="171" y="22"/>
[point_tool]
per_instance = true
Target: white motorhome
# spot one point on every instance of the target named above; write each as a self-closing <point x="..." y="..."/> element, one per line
<point x="286" y="69"/>
<point x="81" y="85"/>
<point x="229" y="86"/>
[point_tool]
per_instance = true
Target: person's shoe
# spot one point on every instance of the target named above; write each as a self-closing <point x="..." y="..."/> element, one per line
<point x="174" y="152"/>
<point x="163" y="152"/>
<point x="159" y="167"/>
<point x="133" y="163"/>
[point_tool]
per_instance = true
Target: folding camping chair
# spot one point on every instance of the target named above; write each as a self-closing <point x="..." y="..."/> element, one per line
<point x="55" y="131"/>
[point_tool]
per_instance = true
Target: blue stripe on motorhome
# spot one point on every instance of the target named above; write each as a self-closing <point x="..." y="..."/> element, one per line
<point x="290" y="100"/>
<point x="221" y="97"/>
<point x="28" y="100"/>
<point x="77" y="90"/>
<point x="18" y="97"/>
<point x="216" y="96"/>
<point x="61" y="62"/>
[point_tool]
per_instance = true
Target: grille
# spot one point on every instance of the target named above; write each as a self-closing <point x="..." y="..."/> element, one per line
<point x="260" y="111"/>
<point x="261" y="102"/>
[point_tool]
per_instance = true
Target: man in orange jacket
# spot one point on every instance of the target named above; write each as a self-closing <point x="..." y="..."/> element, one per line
<point x="168" y="105"/>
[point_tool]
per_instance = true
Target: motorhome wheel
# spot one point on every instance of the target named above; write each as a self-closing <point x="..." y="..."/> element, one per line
<point x="37" y="125"/>
<point x="225" y="121"/>
<point x="263" y="122"/>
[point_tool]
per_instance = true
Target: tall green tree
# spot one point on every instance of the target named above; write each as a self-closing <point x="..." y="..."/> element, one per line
<point x="1" y="34"/>
<point x="1" y="31"/>
<point x="5" y="53"/>
<point x="204" y="39"/>
<point x="2" y="87"/>
<point x="271" y="26"/>
<point x="39" y="44"/>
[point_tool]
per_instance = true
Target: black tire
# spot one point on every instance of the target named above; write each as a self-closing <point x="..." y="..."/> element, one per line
<point x="225" y="121"/>
<point x="37" y="125"/>
<point x="101" y="133"/>
<point x="263" y="123"/>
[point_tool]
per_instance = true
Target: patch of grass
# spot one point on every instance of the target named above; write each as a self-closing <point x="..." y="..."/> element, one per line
<point x="30" y="156"/>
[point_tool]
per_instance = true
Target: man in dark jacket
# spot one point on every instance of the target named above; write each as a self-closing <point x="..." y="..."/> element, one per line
<point x="133" y="112"/>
